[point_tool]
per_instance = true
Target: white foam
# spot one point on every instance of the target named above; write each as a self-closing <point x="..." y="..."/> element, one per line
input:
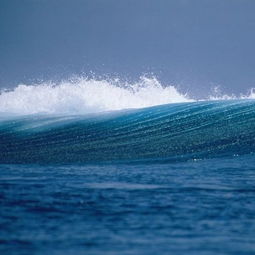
<point x="87" y="96"/>
<point x="251" y="95"/>
<point x="218" y="95"/>
<point x="83" y="95"/>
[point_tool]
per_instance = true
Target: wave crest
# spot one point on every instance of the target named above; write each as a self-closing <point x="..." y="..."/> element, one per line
<point x="88" y="96"/>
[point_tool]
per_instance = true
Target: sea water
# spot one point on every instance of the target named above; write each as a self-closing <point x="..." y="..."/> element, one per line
<point x="202" y="207"/>
<point x="147" y="175"/>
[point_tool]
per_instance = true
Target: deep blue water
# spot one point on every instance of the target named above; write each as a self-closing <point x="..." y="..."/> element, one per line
<point x="173" y="179"/>
<point x="204" y="207"/>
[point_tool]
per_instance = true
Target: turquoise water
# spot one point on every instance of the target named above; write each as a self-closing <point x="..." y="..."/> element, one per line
<point x="171" y="179"/>
<point x="173" y="132"/>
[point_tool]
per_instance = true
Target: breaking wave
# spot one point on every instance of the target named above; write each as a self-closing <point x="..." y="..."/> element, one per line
<point x="77" y="121"/>
<point x="84" y="95"/>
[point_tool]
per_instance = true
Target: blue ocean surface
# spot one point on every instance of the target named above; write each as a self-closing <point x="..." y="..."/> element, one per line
<point x="168" y="179"/>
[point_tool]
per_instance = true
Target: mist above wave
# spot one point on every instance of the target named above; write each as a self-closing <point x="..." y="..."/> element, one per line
<point x="88" y="96"/>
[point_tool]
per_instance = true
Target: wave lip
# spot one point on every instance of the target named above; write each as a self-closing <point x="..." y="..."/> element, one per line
<point x="172" y="132"/>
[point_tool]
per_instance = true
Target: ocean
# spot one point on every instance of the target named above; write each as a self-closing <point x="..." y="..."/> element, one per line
<point x="143" y="175"/>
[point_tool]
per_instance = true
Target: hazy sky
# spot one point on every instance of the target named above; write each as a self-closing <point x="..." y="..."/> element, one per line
<point x="196" y="44"/>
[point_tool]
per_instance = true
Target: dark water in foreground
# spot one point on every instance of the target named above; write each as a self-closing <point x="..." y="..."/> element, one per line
<point x="202" y="207"/>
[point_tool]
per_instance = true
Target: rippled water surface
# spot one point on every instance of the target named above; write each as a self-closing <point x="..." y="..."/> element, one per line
<point x="196" y="207"/>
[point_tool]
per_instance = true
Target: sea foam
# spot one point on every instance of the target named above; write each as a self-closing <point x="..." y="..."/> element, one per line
<point x="85" y="95"/>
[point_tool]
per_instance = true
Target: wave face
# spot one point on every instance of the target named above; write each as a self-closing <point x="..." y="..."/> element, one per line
<point x="172" y="132"/>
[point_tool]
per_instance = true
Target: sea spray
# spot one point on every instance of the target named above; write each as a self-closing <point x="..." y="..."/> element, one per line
<point x="88" y="96"/>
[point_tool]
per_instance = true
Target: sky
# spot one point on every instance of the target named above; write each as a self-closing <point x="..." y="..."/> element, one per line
<point x="194" y="44"/>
